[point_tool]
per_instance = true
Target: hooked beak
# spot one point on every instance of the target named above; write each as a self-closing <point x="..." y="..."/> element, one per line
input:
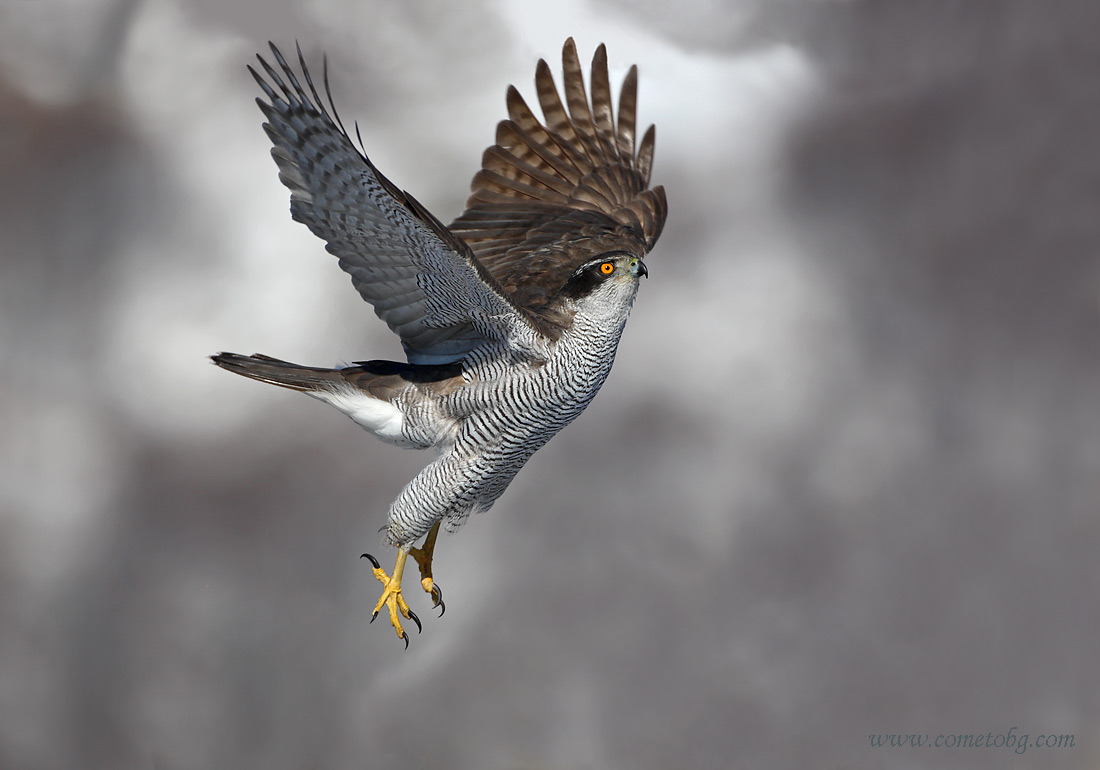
<point x="641" y="269"/>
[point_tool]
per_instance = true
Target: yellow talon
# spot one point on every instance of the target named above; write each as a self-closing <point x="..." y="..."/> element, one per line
<point x="391" y="595"/>
<point x="423" y="558"/>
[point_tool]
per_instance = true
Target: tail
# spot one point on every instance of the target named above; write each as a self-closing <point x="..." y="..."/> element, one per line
<point x="307" y="379"/>
<point x="379" y="379"/>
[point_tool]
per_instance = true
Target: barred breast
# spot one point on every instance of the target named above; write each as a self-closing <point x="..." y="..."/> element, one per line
<point x="506" y="413"/>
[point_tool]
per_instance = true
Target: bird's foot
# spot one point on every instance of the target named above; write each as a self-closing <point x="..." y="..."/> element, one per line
<point x="423" y="558"/>
<point x="391" y="595"/>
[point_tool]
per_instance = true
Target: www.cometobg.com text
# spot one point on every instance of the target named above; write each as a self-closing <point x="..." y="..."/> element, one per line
<point x="1014" y="740"/>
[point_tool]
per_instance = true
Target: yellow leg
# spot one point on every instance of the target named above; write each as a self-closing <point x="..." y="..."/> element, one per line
<point x="391" y="595"/>
<point x="423" y="558"/>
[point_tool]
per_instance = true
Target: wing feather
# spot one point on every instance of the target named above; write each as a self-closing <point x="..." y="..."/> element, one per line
<point x="645" y="154"/>
<point x="423" y="280"/>
<point x="552" y="194"/>
<point x="524" y="128"/>
<point x="602" y="116"/>
<point x="577" y="99"/>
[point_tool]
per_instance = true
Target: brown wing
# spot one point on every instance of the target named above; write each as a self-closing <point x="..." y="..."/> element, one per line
<point x="549" y="197"/>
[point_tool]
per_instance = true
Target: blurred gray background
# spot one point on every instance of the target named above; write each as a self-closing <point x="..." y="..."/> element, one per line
<point x="843" y="481"/>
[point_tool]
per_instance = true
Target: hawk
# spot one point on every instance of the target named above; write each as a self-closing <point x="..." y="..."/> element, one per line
<point x="509" y="317"/>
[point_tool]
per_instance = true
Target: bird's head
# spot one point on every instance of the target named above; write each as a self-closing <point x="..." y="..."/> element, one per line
<point x="610" y="277"/>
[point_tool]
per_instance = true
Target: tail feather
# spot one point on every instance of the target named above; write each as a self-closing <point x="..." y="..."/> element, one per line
<point x="277" y="372"/>
<point x="383" y="380"/>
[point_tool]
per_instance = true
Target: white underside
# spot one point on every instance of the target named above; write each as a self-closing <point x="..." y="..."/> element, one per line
<point x="381" y="418"/>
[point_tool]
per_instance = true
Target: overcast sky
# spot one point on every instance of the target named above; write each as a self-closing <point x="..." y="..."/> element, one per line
<point x="844" y="479"/>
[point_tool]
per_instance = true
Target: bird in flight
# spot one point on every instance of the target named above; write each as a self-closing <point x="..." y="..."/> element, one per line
<point x="509" y="317"/>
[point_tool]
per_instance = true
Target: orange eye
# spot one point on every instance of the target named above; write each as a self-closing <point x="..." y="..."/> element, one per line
<point x="607" y="268"/>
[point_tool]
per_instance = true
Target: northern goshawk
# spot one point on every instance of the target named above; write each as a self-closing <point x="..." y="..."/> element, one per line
<point x="510" y="317"/>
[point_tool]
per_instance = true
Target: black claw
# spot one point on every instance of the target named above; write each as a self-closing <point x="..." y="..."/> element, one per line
<point x="373" y="560"/>
<point x="372" y="617"/>
<point x="406" y="638"/>
<point x="437" y="599"/>
<point x="415" y="619"/>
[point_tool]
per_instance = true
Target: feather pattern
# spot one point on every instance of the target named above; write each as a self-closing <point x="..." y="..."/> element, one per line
<point x="423" y="281"/>
<point x="551" y="195"/>
<point x="512" y="317"/>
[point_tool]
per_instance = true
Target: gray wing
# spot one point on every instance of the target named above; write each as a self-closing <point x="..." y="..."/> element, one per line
<point x="548" y="198"/>
<point x="422" y="280"/>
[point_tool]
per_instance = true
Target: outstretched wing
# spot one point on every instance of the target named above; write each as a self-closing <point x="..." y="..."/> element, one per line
<point x="548" y="198"/>
<point x="423" y="281"/>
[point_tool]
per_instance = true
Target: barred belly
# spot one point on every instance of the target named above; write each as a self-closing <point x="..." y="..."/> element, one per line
<point x="472" y="473"/>
<point x="508" y="411"/>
